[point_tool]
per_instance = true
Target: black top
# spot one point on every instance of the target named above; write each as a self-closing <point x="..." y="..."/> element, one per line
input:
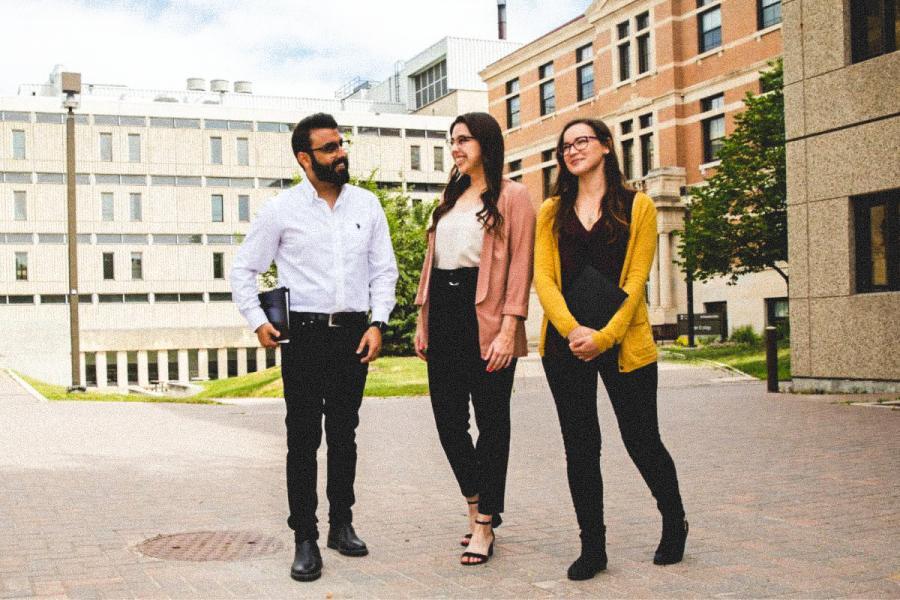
<point x="579" y="247"/>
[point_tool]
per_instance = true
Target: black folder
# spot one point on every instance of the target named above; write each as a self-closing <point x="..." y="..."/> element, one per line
<point x="277" y="306"/>
<point x="593" y="299"/>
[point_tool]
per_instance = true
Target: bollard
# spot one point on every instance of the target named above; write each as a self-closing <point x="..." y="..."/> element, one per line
<point x="771" y="359"/>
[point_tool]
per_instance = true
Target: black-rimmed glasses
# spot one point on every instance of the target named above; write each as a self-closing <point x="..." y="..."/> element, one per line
<point x="332" y="147"/>
<point x="579" y="143"/>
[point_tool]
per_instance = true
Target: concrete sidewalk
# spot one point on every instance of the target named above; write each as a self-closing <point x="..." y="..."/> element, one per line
<point x="788" y="496"/>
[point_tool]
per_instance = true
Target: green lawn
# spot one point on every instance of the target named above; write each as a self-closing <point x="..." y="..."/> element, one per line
<point x="388" y="376"/>
<point x="746" y="358"/>
<point x="58" y="392"/>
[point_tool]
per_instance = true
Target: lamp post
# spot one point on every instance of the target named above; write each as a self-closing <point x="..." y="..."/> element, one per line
<point x="71" y="87"/>
<point x="689" y="277"/>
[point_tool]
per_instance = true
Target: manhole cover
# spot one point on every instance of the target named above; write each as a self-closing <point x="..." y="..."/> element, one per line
<point x="210" y="545"/>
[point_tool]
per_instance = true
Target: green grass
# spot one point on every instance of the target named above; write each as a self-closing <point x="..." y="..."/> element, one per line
<point x="749" y="359"/>
<point x="388" y="376"/>
<point x="58" y="392"/>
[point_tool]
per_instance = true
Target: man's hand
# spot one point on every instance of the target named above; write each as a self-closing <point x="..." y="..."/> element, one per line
<point x="266" y="334"/>
<point x="371" y="339"/>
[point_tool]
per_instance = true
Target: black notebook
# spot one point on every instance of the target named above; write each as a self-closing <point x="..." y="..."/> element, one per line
<point x="277" y="306"/>
<point x="593" y="299"/>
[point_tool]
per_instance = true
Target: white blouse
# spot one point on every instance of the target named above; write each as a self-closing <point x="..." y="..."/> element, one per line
<point x="458" y="238"/>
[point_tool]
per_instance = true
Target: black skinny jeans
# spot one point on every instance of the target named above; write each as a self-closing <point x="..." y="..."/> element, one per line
<point x="573" y="384"/>
<point x="322" y="376"/>
<point x="457" y="373"/>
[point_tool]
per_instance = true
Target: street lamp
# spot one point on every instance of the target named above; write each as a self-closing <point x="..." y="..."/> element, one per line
<point x="689" y="275"/>
<point x="71" y="88"/>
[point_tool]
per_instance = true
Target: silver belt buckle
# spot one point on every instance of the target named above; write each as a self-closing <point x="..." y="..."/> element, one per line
<point x="331" y="322"/>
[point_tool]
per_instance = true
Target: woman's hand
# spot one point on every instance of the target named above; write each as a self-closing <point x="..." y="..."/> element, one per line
<point x="419" y="341"/>
<point x="499" y="355"/>
<point x="585" y="348"/>
<point x="579" y="332"/>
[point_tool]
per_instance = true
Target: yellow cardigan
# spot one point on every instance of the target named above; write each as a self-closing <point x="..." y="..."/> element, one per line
<point x="630" y="326"/>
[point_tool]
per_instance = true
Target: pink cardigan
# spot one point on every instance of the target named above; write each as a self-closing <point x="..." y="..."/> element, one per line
<point x="505" y="271"/>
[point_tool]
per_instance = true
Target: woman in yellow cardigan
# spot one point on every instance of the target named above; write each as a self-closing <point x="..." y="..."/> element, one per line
<point x="594" y="220"/>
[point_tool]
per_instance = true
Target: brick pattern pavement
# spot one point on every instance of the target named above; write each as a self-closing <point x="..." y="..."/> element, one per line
<point x="788" y="496"/>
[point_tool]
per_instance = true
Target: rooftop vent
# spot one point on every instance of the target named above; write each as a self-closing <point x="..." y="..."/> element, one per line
<point x="218" y="85"/>
<point x="243" y="87"/>
<point x="196" y="84"/>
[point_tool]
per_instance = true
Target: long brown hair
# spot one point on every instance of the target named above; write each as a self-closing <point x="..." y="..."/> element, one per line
<point x="613" y="217"/>
<point x="486" y="131"/>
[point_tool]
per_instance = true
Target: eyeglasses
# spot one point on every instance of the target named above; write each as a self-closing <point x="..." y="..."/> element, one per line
<point x="332" y="147"/>
<point x="460" y="140"/>
<point x="579" y="143"/>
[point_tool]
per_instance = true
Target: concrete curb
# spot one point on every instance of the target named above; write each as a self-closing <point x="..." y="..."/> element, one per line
<point x="26" y="386"/>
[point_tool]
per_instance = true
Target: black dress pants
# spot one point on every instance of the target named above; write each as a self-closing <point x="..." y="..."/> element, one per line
<point x="322" y="377"/>
<point x="573" y="384"/>
<point x="456" y="375"/>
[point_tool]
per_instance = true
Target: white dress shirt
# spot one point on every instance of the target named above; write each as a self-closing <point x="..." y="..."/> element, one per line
<point x="331" y="260"/>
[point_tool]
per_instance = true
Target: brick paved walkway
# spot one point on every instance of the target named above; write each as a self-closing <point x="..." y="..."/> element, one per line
<point x="788" y="496"/>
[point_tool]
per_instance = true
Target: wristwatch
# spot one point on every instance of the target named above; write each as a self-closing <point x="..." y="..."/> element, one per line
<point x="381" y="325"/>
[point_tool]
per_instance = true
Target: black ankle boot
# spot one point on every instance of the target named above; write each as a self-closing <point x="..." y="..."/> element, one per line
<point x="671" y="546"/>
<point x="592" y="559"/>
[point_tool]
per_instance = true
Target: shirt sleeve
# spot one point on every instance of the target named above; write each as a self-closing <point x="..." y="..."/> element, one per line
<point x="254" y="257"/>
<point x="382" y="267"/>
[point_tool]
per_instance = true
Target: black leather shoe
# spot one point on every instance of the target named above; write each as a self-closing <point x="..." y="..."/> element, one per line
<point x="671" y="546"/>
<point x="343" y="539"/>
<point x="307" y="561"/>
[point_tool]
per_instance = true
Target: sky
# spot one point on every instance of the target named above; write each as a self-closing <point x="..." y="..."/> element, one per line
<point x="285" y="47"/>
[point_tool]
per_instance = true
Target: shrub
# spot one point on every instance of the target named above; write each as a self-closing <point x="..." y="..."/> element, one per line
<point x="746" y="335"/>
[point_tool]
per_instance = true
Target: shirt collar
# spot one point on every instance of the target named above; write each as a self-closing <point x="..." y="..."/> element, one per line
<point x="313" y="196"/>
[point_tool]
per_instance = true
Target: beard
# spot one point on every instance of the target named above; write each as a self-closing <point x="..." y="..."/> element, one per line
<point x="329" y="173"/>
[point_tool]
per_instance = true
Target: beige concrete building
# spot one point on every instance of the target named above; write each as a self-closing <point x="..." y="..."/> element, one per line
<point x="667" y="76"/>
<point x="842" y="71"/>
<point x="168" y="181"/>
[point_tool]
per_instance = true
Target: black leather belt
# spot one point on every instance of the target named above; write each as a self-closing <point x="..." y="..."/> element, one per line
<point x="341" y="319"/>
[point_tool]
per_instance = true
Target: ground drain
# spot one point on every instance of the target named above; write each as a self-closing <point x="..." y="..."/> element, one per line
<point x="210" y="545"/>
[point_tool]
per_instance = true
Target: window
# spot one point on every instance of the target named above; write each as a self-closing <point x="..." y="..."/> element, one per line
<point x="18" y="144"/>
<point x="21" y="266"/>
<point x="134" y="207"/>
<point x="713" y="127"/>
<point x="134" y="147"/>
<point x="107" y="207"/>
<point x="768" y="13"/>
<point x="547" y="89"/>
<point x="137" y="265"/>
<point x="710" y="28"/>
<point x="877" y="223"/>
<point x="215" y="150"/>
<point x="585" y="81"/>
<point x="218" y="208"/>
<point x="512" y="104"/>
<point x="646" y="153"/>
<point x="646" y="120"/>
<point x="515" y="165"/>
<point x="431" y="84"/>
<point x="415" y="158"/>
<point x="106" y="153"/>
<point x="874" y="25"/>
<point x="628" y="159"/>
<point x="777" y="312"/>
<point x="549" y="172"/>
<point x="218" y="265"/>
<point x="439" y="158"/>
<point x="109" y="269"/>
<point x="545" y="71"/>
<point x="624" y="61"/>
<point x="244" y="208"/>
<point x="243" y="151"/>
<point x="20" y="206"/>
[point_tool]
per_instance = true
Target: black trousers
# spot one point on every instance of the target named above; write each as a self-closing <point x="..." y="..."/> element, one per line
<point x="456" y="375"/>
<point x="322" y="377"/>
<point x="573" y="384"/>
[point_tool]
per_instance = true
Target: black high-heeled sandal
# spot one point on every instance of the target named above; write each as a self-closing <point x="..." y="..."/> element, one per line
<point x="466" y="538"/>
<point x="482" y="558"/>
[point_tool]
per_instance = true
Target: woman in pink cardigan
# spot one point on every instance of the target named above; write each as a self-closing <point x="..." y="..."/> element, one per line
<point x="473" y="298"/>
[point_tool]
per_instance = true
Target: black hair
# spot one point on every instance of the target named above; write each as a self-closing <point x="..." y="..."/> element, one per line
<point x="485" y="129"/>
<point x="613" y="217"/>
<point x="300" y="138"/>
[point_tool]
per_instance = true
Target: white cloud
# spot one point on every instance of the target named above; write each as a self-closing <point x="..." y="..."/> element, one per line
<point x="297" y="48"/>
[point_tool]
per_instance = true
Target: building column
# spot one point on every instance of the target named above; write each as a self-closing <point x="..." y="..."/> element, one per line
<point x="241" y="361"/>
<point x="162" y="364"/>
<point x="143" y="368"/>
<point x="260" y="359"/>
<point x="183" y="369"/>
<point x="665" y="271"/>
<point x="203" y="363"/>
<point x="122" y="369"/>
<point x="654" y="282"/>
<point x="278" y="356"/>
<point x="100" y="364"/>
<point x="223" y="363"/>
<point x="82" y="370"/>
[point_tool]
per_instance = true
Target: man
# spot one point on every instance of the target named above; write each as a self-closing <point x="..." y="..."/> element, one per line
<point x="331" y="244"/>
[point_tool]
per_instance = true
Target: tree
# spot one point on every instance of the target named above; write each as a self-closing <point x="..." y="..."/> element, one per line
<point x="738" y="219"/>
<point x="408" y="222"/>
